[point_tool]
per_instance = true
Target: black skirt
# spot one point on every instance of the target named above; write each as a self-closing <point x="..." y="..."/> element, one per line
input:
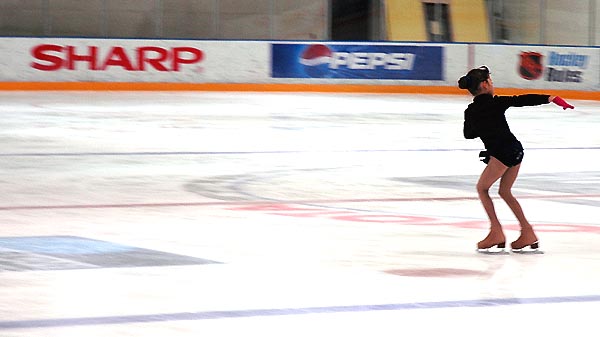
<point x="509" y="155"/>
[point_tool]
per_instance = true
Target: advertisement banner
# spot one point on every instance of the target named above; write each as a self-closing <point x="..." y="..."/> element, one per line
<point x="357" y="61"/>
<point x="114" y="60"/>
<point x="201" y="61"/>
<point x="541" y="67"/>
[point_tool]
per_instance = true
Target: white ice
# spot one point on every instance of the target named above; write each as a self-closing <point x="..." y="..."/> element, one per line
<point x="329" y="215"/>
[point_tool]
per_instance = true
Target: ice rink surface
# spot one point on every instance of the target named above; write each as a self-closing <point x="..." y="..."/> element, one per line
<point x="256" y="214"/>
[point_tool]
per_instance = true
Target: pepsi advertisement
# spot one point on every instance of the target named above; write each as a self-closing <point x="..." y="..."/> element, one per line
<point x="347" y="61"/>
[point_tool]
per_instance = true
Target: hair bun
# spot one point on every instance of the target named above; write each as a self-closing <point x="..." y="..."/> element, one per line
<point x="464" y="82"/>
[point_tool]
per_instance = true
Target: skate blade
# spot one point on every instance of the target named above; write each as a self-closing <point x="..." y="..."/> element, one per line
<point x="527" y="251"/>
<point x="492" y="251"/>
<point x="531" y="249"/>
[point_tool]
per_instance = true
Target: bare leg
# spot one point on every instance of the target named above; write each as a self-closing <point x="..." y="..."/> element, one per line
<point x="528" y="236"/>
<point x="493" y="171"/>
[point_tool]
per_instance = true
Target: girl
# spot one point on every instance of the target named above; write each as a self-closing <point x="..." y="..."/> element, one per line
<point x="484" y="118"/>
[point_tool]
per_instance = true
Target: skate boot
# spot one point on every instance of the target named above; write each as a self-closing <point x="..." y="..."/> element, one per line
<point x="527" y="243"/>
<point x="494" y="243"/>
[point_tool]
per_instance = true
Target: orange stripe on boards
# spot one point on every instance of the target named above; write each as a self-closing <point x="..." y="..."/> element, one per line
<point x="270" y="87"/>
<point x="276" y="87"/>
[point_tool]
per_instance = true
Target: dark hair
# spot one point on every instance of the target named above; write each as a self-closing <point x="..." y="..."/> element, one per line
<point x="473" y="78"/>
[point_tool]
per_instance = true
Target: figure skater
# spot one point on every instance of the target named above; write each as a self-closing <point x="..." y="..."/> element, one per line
<point x="485" y="118"/>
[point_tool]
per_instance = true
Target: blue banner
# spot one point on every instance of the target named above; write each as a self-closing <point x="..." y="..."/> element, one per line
<point x="348" y="61"/>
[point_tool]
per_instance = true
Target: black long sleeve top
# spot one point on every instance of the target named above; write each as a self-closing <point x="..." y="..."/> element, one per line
<point x="485" y="117"/>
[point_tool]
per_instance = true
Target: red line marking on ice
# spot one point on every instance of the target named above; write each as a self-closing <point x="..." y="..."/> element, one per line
<point x="303" y="209"/>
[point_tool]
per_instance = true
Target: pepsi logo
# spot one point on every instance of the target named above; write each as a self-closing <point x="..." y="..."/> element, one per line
<point x="315" y="55"/>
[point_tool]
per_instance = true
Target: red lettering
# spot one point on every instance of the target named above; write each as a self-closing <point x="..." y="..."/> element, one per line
<point x="295" y="211"/>
<point x="178" y="59"/>
<point x="42" y="53"/>
<point x="50" y="57"/>
<point x="91" y="58"/>
<point x="118" y="57"/>
<point x="144" y="58"/>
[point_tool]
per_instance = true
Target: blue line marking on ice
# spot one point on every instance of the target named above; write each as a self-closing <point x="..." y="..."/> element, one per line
<point x="206" y="315"/>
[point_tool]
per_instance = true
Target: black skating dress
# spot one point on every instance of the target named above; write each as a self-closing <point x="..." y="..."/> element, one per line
<point x="485" y="118"/>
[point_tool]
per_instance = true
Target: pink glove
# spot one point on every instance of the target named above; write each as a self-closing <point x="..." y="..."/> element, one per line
<point x="561" y="102"/>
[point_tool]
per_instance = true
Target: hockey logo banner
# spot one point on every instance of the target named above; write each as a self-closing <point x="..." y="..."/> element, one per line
<point x="554" y="66"/>
<point x="345" y="61"/>
<point x="531" y="67"/>
<point x="566" y="67"/>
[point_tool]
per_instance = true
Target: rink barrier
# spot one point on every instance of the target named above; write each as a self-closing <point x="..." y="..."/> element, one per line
<point x="279" y="87"/>
<point x="76" y="64"/>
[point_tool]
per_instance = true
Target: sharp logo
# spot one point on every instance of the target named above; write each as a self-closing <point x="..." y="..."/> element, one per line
<point x="51" y="57"/>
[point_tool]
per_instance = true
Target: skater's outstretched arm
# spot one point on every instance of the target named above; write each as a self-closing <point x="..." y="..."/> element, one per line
<point x="533" y="99"/>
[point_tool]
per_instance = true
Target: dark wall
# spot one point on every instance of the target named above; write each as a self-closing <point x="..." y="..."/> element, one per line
<point x="351" y="19"/>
